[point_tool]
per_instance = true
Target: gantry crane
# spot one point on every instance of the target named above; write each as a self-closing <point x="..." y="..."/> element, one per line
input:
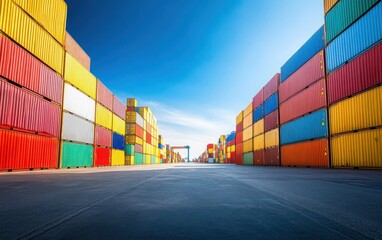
<point x="184" y="147"/>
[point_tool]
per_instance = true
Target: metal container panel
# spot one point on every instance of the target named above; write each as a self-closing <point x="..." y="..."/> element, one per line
<point x="118" y="158"/>
<point x="306" y="154"/>
<point x="131" y="102"/>
<point x="134" y="117"/>
<point x="239" y="154"/>
<point x="102" y="136"/>
<point x="239" y="127"/>
<point x="271" y="104"/>
<point x="118" y="141"/>
<point x="75" y="50"/>
<point x="76" y="155"/>
<point x="272" y="86"/>
<point x="360" y="149"/>
<point x="309" y="73"/>
<point x="26" y="151"/>
<point x="247" y="110"/>
<point x="129" y="160"/>
<point x="258" y="158"/>
<point x="271" y="121"/>
<point x="239" y="137"/>
<point x="138" y="159"/>
<point x="272" y="138"/>
<point x="146" y="159"/>
<point x="104" y="117"/>
<point x="248" y="158"/>
<point x="119" y="108"/>
<point x="360" y="36"/>
<point x="315" y="44"/>
<point x="104" y="95"/>
<point x="77" y="129"/>
<point x="102" y="157"/>
<point x="343" y="15"/>
<point x="258" y="142"/>
<point x="271" y="156"/>
<point x="258" y="127"/>
<point x="304" y="102"/>
<point x="309" y="127"/>
<point x="21" y="67"/>
<point x="248" y="121"/>
<point x="78" y="103"/>
<point x="24" y="111"/>
<point x="138" y="148"/>
<point x="258" y="113"/>
<point x="129" y="149"/>
<point x="119" y="125"/>
<point x="361" y="111"/>
<point x="239" y="118"/>
<point x="247" y="133"/>
<point x="248" y="146"/>
<point x="328" y="4"/>
<point x="139" y="131"/>
<point x="362" y="73"/>
<point x="258" y="99"/>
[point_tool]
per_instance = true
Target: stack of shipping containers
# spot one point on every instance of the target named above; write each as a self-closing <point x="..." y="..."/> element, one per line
<point x="119" y="128"/>
<point x="222" y="157"/>
<point x="230" y="147"/>
<point x="162" y="149"/>
<point x="168" y="154"/>
<point x="239" y="139"/>
<point x="354" y="67"/>
<point x="134" y="134"/>
<point x="258" y="128"/>
<point x="211" y="153"/>
<point x="248" y="135"/>
<point x="303" y="106"/>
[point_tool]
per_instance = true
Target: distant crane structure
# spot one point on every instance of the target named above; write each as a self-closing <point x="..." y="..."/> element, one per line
<point x="184" y="147"/>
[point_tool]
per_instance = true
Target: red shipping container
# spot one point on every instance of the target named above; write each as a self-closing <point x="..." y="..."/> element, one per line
<point x="139" y="131"/>
<point x="104" y="96"/>
<point x="138" y="148"/>
<point x="307" y="154"/>
<point x="239" y="154"/>
<point x="272" y="86"/>
<point x="309" y="73"/>
<point x="102" y="157"/>
<point x="118" y="108"/>
<point x="148" y="138"/>
<point x="309" y="100"/>
<point x="360" y="74"/>
<point x="258" y="99"/>
<point x="21" y="67"/>
<point x="239" y="127"/>
<point x="239" y="137"/>
<point x="271" y="157"/>
<point x="258" y="158"/>
<point x="271" y="121"/>
<point x="26" y="151"/>
<point x="233" y="157"/>
<point x="130" y="109"/>
<point x="102" y="136"/>
<point x="209" y="146"/>
<point x="24" y="111"/>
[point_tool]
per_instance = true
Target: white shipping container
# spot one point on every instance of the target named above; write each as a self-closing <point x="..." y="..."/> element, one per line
<point x="211" y="160"/>
<point x="77" y="129"/>
<point x="139" y="120"/>
<point x="78" y="103"/>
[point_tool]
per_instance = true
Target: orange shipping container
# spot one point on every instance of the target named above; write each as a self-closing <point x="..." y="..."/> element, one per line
<point x="248" y="121"/>
<point x="247" y="133"/>
<point x="74" y="49"/>
<point x="247" y="110"/>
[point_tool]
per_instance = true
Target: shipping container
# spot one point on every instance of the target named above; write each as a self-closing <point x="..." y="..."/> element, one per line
<point x="78" y="103"/>
<point x="362" y="73"/>
<point x="104" y="96"/>
<point x="21" y="67"/>
<point x="75" y="50"/>
<point x="27" y="151"/>
<point x="271" y="121"/>
<point x="129" y="160"/>
<point x="102" y="136"/>
<point x="24" y="111"/>
<point x="258" y="127"/>
<point x="104" y="117"/>
<point x="118" y="108"/>
<point x="309" y="73"/>
<point x="76" y="155"/>
<point x="343" y="15"/>
<point x="29" y="34"/>
<point x="134" y="117"/>
<point x="258" y="113"/>
<point x="304" y="102"/>
<point x="153" y="160"/>
<point x="258" y="99"/>
<point x="328" y="4"/>
<point x="247" y="121"/>
<point x="146" y="159"/>
<point x="119" y="125"/>
<point x="258" y="142"/>
<point x="272" y="86"/>
<point x="306" y="154"/>
<point x="247" y="110"/>
<point x="272" y="138"/>
<point x="271" y="104"/>
<point x="148" y="138"/>
<point x="309" y="127"/>
<point x="248" y="146"/>
<point x="239" y="118"/>
<point x="258" y="158"/>
<point x="138" y="148"/>
<point x="248" y="158"/>
<point x="358" y="112"/>
<point x="359" y="37"/>
<point x="239" y="127"/>
<point x="361" y="149"/>
<point x="138" y="158"/>
<point x="315" y="44"/>
<point x="239" y="154"/>
<point x="133" y="139"/>
<point x="129" y="149"/>
<point x="118" y="141"/>
<point x="131" y="102"/>
<point x="247" y="133"/>
<point x="102" y="157"/>
<point x="239" y="137"/>
<point x="117" y="157"/>
<point x="77" y="129"/>
<point x="271" y="156"/>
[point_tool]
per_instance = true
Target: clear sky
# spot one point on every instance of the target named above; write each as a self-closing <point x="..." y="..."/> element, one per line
<point x="196" y="63"/>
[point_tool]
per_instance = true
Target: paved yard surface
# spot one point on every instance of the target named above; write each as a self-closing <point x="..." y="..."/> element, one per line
<point x="191" y="201"/>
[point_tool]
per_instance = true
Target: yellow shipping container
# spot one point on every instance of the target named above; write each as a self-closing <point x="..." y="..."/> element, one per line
<point x="359" y="149"/>
<point x="247" y="110"/>
<point x="133" y="139"/>
<point x="24" y="30"/>
<point x="248" y="146"/>
<point x="147" y="158"/>
<point x="328" y="4"/>
<point x="229" y="155"/>
<point x="210" y="150"/>
<point x="258" y="142"/>
<point x="239" y="118"/>
<point x="247" y="133"/>
<point x="117" y="157"/>
<point x="79" y="76"/>
<point x="272" y="138"/>
<point x="129" y="160"/>
<point x="131" y="102"/>
<point x="51" y="14"/>
<point x="233" y="148"/>
<point x="119" y="125"/>
<point x="258" y="127"/>
<point x="131" y="117"/>
<point x="359" y="112"/>
<point x="104" y="117"/>
<point x="247" y="121"/>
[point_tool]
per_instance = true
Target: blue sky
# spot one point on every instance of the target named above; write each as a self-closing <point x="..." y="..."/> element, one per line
<point x="196" y="63"/>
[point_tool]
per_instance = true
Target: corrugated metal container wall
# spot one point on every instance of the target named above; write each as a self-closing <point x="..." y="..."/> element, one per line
<point x="310" y="72"/>
<point x="25" y="151"/>
<point x="146" y="159"/>
<point x="258" y="128"/>
<point x="129" y="160"/>
<point x="271" y="104"/>
<point x="258" y="158"/>
<point x="362" y="73"/>
<point x="21" y="67"/>
<point x="102" y="157"/>
<point x="248" y="158"/>
<point x="118" y="141"/>
<point x="247" y="133"/>
<point x="248" y="146"/>
<point x="311" y="153"/>
<point x="359" y="112"/>
<point x="309" y="127"/>
<point x="138" y="159"/>
<point x="363" y="34"/>
<point x="129" y="149"/>
<point x="119" y="125"/>
<point x="247" y="110"/>
<point x="77" y="129"/>
<point x="343" y="15"/>
<point x="271" y="121"/>
<point x="104" y="96"/>
<point x="271" y="157"/>
<point x="239" y="137"/>
<point x="306" y="52"/>
<point x="258" y="142"/>
<point x="360" y="149"/>
<point x="239" y="118"/>
<point x="247" y="121"/>
<point x="304" y="102"/>
<point x="272" y="138"/>
<point x="78" y="103"/>
<point x="119" y="108"/>
<point x="258" y="99"/>
<point x="272" y="86"/>
<point x="22" y="110"/>
<point x="79" y="76"/>
<point x="104" y="117"/>
<point x="76" y="155"/>
<point x="328" y="4"/>
<point x="239" y="127"/>
<point x="138" y="148"/>
<point x="75" y="50"/>
<point x="117" y="158"/>
<point x="258" y="113"/>
<point x="102" y="137"/>
<point x="28" y="33"/>
<point x="239" y="154"/>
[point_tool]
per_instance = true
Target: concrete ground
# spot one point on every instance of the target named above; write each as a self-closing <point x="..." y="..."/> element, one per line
<point x="191" y="201"/>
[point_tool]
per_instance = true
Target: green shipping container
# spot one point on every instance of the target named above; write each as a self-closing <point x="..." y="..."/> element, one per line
<point x="76" y="155"/>
<point x="138" y="158"/>
<point x="129" y="149"/>
<point x="343" y="14"/>
<point x="248" y="158"/>
<point x="153" y="160"/>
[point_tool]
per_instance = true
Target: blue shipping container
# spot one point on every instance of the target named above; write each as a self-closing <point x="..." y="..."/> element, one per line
<point x="315" y="44"/>
<point x="118" y="141"/>
<point x="271" y="104"/>
<point x="258" y="113"/>
<point x="312" y="126"/>
<point x="359" y="37"/>
<point x="160" y="146"/>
